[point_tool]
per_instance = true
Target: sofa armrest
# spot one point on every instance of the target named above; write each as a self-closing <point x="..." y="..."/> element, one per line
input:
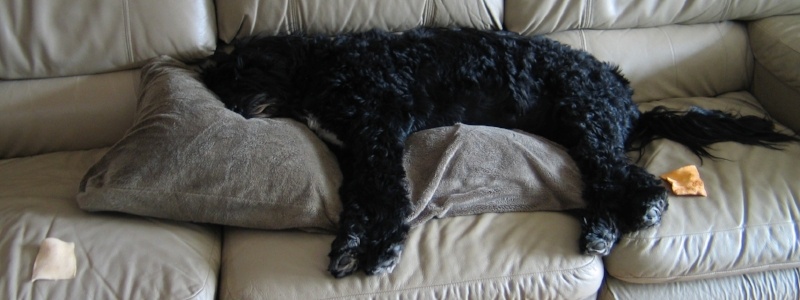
<point x="776" y="80"/>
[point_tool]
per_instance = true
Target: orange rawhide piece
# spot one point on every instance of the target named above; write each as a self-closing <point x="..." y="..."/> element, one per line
<point x="685" y="181"/>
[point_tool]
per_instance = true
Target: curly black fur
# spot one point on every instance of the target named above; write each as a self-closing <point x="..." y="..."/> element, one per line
<point x="365" y="93"/>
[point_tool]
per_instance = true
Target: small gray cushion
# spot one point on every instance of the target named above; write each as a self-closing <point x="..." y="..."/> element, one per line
<point x="188" y="158"/>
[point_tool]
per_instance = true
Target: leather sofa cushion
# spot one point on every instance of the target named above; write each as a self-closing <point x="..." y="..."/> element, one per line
<point x="490" y="256"/>
<point x="538" y="17"/>
<point x="42" y="38"/>
<point x="65" y="113"/>
<point x="118" y="257"/>
<point x="249" y="17"/>
<point x="673" y="61"/>
<point x="748" y="222"/>
<point x="778" y="284"/>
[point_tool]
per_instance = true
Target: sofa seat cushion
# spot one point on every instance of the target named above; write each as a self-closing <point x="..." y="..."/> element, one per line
<point x="489" y="256"/>
<point x="777" y="284"/>
<point x="748" y="222"/>
<point x="118" y="256"/>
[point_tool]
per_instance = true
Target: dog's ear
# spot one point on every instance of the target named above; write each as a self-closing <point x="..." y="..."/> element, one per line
<point x="261" y="111"/>
<point x="263" y="106"/>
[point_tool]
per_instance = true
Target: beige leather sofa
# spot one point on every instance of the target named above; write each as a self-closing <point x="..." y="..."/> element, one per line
<point x="68" y="84"/>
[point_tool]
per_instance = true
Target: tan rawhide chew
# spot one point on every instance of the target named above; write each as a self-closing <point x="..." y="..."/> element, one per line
<point x="56" y="260"/>
<point x="685" y="181"/>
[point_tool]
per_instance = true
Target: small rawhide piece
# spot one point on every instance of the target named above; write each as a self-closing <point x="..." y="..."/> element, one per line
<point x="685" y="181"/>
<point x="56" y="260"/>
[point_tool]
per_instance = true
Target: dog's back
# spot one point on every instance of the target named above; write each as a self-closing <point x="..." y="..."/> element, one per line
<point x="440" y="76"/>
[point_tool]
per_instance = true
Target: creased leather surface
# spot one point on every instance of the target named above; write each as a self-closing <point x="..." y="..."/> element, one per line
<point x="748" y="223"/>
<point x="491" y="256"/>
<point x="780" y="284"/>
<point x="43" y="38"/>
<point x="536" y="17"/>
<point x="241" y="18"/>
<point x="118" y="257"/>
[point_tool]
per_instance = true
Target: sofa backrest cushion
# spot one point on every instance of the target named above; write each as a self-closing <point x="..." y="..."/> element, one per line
<point x="241" y="18"/>
<point x="545" y="16"/>
<point x="673" y="61"/>
<point x="666" y="49"/>
<point x="45" y="38"/>
<point x="65" y="113"/>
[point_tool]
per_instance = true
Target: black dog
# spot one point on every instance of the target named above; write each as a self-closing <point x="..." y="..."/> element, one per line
<point x="365" y="93"/>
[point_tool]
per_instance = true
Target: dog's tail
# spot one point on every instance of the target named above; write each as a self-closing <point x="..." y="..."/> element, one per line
<point x="698" y="128"/>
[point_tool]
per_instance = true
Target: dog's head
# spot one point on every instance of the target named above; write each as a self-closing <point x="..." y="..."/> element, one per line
<point x="242" y="90"/>
<point x="253" y="76"/>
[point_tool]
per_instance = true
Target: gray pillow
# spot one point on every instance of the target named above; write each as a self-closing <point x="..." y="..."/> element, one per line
<point x="188" y="158"/>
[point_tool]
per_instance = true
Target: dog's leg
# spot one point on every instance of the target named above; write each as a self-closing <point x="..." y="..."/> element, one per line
<point x="621" y="197"/>
<point x="645" y="200"/>
<point x="624" y="202"/>
<point x="603" y="193"/>
<point x="373" y="225"/>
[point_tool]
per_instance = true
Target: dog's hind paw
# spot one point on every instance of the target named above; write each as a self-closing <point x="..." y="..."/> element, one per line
<point x="652" y="216"/>
<point x="344" y="255"/>
<point x="384" y="251"/>
<point x="646" y="209"/>
<point x="385" y="262"/>
<point x="343" y="264"/>
<point x="647" y="202"/>
<point x="599" y="247"/>
<point x="598" y="237"/>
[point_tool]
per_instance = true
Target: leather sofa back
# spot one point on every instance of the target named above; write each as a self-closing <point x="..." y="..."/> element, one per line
<point x="650" y="39"/>
<point x="55" y="38"/>
<point x="50" y="38"/>
<point x="49" y="49"/>
<point x="545" y="16"/>
<point x="65" y="113"/>
<point x="673" y="61"/>
<point x="242" y="18"/>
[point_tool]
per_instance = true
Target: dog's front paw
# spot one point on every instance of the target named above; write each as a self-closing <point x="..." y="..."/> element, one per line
<point x="598" y="236"/>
